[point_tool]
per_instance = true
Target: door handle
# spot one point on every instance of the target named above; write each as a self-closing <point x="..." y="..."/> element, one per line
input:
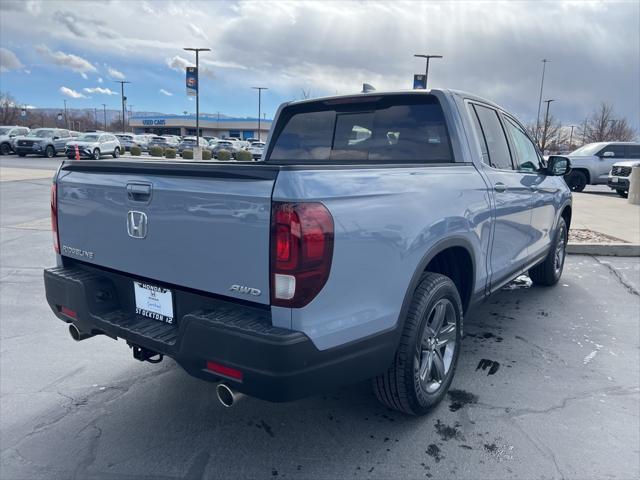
<point x="139" y="192"/>
<point x="500" y="187"/>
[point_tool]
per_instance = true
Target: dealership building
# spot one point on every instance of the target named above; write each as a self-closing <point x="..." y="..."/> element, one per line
<point x="210" y="126"/>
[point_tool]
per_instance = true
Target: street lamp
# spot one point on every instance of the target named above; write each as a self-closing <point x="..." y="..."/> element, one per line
<point x="259" y="106"/>
<point x="66" y="121"/>
<point x="122" y="98"/>
<point x="544" y="67"/>
<point x="546" y="125"/>
<point x="104" y="111"/>
<point x="197" y="50"/>
<point x="571" y="136"/>
<point x="428" y="57"/>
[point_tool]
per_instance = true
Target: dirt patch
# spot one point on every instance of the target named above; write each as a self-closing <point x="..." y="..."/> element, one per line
<point x="579" y="235"/>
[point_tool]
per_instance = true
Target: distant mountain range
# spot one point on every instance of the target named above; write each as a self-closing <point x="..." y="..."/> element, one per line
<point x="112" y="114"/>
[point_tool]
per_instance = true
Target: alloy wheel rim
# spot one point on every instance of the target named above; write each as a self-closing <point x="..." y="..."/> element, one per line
<point x="437" y="346"/>
<point x="560" y="251"/>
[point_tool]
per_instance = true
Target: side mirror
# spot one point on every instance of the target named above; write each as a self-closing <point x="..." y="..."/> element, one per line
<point x="12" y="135"/>
<point x="608" y="154"/>
<point x="558" y="166"/>
<point x="56" y="138"/>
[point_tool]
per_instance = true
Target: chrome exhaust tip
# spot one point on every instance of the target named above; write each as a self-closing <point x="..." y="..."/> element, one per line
<point x="77" y="335"/>
<point x="227" y="396"/>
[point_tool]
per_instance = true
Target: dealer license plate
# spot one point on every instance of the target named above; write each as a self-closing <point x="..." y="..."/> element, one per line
<point x="154" y="302"/>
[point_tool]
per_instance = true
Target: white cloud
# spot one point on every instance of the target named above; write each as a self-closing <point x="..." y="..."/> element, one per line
<point x="179" y="64"/>
<point x="103" y="91"/>
<point x="65" y="60"/>
<point x="100" y="80"/>
<point x="9" y="61"/>
<point x="198" y="32"/>
<point x="70" y="92"/>
<point x="165" y="92"/>
<point x="84" y="75"/>
<point x="116" y="74"/>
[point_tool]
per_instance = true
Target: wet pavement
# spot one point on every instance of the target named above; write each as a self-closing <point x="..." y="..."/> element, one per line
<point x="547" y="387"/>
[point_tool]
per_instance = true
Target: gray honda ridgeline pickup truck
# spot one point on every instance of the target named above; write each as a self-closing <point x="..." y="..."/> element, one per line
<point x="353" y="251"/>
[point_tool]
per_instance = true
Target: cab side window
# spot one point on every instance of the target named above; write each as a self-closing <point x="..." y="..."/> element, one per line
<point x="526" y="154"/>
<point x="633" y="152"/>
<point x="492" y="133"/>
<point x="618" y="150"/>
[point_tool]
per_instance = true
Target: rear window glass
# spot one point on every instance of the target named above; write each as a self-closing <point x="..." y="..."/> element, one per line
<point x="393" y="128"/>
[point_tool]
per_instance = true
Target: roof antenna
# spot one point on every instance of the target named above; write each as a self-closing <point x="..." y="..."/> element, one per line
<point x="366" y="88"/>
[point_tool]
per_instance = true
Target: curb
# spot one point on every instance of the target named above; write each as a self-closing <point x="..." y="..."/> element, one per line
<point x="604" y="249"/>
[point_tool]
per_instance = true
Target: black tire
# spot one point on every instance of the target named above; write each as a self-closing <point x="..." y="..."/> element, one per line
<point x="96" y="154"/>
<point x="116" y="152"/>
<point x="622" y="193"/>
<point x="5" y="149"/>
<point x="50" y="152"/>
<point x="412" y="384"/>
<point x="22" y="154"/>
<point x="549" y="271"/>
<point x="576" y="180"/>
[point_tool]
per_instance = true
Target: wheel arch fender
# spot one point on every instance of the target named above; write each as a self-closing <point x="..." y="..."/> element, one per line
<point x="437" y="248"/>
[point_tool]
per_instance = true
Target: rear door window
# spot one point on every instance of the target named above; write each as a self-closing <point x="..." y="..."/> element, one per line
<point x="393" y="128"/>
<point x="618" y="150"/>
<point x="494" y="136"/>
<point x="633" y="151"/>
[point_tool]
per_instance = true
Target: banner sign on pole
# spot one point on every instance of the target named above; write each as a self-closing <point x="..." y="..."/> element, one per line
<point x="419" y="82"/>
<point x="192" y="81"/>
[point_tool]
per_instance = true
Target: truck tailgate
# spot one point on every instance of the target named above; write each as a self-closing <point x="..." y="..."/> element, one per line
<point x="202" y="226"/>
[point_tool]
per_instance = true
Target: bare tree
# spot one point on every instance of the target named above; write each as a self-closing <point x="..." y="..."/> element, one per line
<point x="9" y="109"/>
<point x="551" y="133"/>
<point x="604" y="126"/>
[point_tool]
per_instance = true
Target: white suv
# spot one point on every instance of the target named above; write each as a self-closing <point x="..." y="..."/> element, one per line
<point x="619" y="176"/>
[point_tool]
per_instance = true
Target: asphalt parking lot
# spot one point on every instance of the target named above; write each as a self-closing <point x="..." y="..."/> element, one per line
<point x="547" y="387"/>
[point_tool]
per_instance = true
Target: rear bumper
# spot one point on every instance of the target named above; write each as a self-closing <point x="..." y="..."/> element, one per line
<point x="276" y="364"/>
<point x="621" y="184"/>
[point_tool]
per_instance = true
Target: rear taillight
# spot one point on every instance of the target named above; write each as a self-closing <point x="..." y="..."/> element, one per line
<point x="54" y="217"/>
<point x="301" y="252"/>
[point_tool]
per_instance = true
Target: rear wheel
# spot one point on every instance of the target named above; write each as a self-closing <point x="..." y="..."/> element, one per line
<point x="5" y="149"/>
<point x="22" y="154"/>
<point x="622" y="193"/>
<point x="576" y="180"/>
<point x="96" y="154"/>
<point x="50" y="152"/>
<point x="549" y="272"/>
<point x="425" y="361"/>
<point x="116" y="153"/>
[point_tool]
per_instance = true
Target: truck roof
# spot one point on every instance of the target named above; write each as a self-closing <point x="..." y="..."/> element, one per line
<point x="377" y="93"/>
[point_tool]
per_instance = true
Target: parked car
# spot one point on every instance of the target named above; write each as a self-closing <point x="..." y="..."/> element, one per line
<point x="188" y="143"/>
<point x="7" y="136"/>
<point x="47" y="142"/>
<point x="94" y="145"/>
<point x="142" y="141"/>
<point x="591" y="163"/>
<point x="359" y="262"/>
<point x="127" y="140"/>
<point x="619" y="176"/>
<point x="225" y="145"/>
<point x="163" y="141"/>
<point x="256" y="150"/>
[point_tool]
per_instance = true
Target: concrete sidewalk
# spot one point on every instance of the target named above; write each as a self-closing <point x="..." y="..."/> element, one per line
<point x="606" y="213"/>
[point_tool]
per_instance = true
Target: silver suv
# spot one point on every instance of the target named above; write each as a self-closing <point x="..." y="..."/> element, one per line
<point x="591" y="163"/>
<point x="7" y="137"/>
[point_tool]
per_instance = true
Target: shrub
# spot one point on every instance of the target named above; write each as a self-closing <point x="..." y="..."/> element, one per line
<point x="170" y="153"/>
<point x="244" y="156"/>
<point x="136" y="150"/>
<point x="156" y="151"/>
<point x="206" y="154"/>
<point x="187" y="154"/>
<point x="224" y="155"/>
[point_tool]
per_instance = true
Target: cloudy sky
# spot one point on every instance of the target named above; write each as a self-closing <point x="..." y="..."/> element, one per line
<point x="54" y="50"/>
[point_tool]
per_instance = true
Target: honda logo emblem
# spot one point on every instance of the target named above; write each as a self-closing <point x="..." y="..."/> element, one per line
<point x="137" y="224"/>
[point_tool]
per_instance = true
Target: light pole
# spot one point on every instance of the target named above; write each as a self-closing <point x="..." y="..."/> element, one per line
<point x="259" y="106"/>
<point x="544" y="67"/>
<point x="122" y="98"/>
<point x="197" y="50"/>
<point x="546" y="125"/>
<point x="104" y="111"/>
<point x="571" y="137"/>
<point x="426" y="73"/>
<point x="66" y="120"/>
<point x="95" y="118"/>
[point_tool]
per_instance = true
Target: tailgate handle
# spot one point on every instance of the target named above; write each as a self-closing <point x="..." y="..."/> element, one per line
<point x="139" y="192"/>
